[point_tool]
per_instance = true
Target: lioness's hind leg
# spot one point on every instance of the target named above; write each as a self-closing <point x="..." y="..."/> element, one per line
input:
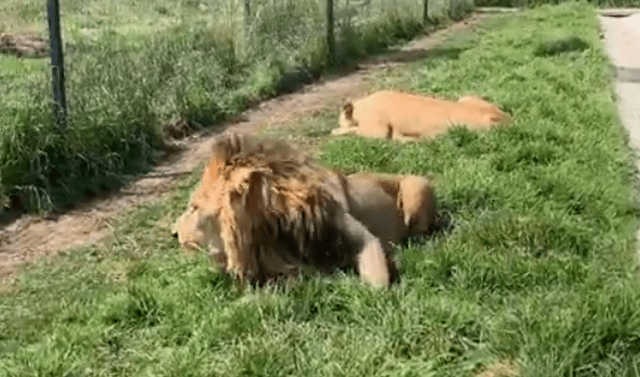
<point x="403" y="139"/>
<point x="344" y="131"/>
<point x="393" y="133"/>
<point x="370" y="259"/>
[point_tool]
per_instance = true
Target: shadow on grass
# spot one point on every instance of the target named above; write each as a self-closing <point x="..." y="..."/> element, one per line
<point x="410" y="56"/>
<point x="560" y="46"/>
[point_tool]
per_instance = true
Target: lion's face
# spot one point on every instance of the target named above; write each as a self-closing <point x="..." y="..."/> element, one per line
<point x="198" y="228"/>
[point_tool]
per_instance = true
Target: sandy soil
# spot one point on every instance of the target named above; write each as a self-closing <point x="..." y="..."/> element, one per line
<point x="29" y="237"/>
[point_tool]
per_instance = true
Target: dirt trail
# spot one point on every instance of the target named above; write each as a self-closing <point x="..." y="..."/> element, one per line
<point x="29" y="237"/>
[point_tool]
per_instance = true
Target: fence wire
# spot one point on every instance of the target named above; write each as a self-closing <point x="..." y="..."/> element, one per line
<point x="359" y="26"/>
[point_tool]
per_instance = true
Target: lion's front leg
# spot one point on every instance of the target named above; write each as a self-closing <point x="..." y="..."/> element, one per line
<point x="370" y="258"/>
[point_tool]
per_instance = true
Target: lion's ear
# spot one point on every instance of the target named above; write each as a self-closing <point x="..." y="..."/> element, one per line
<point x="253" y="190"/>
<point x="211" y="172"/>
<point x="348" y="109"/>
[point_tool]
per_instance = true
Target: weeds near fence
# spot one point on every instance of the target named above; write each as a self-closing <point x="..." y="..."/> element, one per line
<point x="195" y="61"/>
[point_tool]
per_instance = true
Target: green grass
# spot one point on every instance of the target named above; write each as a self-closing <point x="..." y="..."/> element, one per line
<point x="132" y="67"/>
<point x="538" y="267"/>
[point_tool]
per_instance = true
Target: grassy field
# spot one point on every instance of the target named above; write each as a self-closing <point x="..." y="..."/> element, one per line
<point x="133" y="67"/>
<point x="535" y="276"/>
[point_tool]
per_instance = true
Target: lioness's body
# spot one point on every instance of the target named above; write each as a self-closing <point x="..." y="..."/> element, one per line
<point x="404" y="116"/>
<point x="392" y="207"/>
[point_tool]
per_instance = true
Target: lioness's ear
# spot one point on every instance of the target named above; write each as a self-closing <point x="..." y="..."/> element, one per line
<point x="408" y="220"/>
<point x="348" y="109"/>
<point x="400" y="205"/>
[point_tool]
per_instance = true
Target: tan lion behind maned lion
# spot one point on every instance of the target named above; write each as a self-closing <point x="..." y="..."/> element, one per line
<point x="392" y="207"/>
<point x="404" y="116"/>
<point x="267" y="211"/>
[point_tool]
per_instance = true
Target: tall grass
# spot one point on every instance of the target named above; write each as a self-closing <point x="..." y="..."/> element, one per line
<point x="200" y="61"/>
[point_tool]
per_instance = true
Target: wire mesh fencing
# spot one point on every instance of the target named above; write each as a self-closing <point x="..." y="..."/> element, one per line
<point x="135" y="71"/>
<point x="335" y="30"/>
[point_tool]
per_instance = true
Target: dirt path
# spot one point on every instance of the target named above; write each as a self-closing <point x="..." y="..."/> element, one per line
<point x="30" y="237"/>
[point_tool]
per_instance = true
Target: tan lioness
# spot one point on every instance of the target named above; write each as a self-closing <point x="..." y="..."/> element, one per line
<point x="404" y="116"/>
<point x="392" y="207"/>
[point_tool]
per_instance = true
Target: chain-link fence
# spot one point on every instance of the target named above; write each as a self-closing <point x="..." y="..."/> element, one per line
<point x="343" y="27"/>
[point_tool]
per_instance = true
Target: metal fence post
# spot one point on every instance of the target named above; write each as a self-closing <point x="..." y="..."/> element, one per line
<point x="57" y="64"/>
<point x="247" y="16"/>
<point x="246" y="26"/>
<point x="425" y="12"/>
<point x="331" y="40"/>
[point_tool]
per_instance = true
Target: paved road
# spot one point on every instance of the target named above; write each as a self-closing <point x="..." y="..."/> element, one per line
<point x="622" y="42"/>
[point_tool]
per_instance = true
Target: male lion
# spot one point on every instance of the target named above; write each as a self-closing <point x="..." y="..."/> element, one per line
<point x="268" y="211"/>
<point x="403" y="116"/>
<point x="392" y="207"/>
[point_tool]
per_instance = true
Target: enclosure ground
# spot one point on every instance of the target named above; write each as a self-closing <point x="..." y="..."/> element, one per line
<point x="535" y="276"/>
<point x="28" y="237"/>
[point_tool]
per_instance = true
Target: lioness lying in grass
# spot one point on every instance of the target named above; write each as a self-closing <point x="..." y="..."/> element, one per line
<point x="403" y="116"/>
<point x="392" y="207"/>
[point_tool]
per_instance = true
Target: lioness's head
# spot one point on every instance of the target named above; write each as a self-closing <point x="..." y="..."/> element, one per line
<point x="346" y="116"/>
<point x="417" y="202"/>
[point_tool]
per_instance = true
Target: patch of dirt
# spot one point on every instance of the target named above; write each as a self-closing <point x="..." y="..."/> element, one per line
<point x="179" y="129"/>
<point x="23" y="44"/>
<point x="504" y="368"/>
<point x="29" y="237"/>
